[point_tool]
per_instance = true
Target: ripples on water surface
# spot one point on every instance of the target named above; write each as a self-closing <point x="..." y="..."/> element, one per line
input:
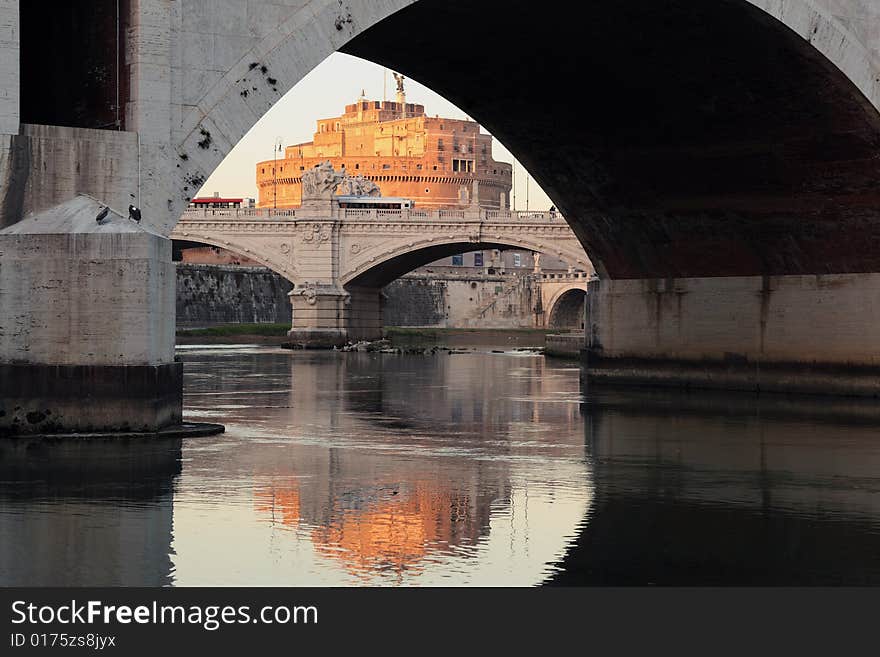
<point x="467" y="469"/>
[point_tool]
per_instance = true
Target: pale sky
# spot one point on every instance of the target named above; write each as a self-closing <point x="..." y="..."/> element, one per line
<point x="323" y="93"/>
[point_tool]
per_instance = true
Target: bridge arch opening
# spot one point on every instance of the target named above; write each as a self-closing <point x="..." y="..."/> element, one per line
<point x="703" y="147"/>
<point x="379" y="271"/>
<point x="567" y="312"/>
<point x="226" y="285"/>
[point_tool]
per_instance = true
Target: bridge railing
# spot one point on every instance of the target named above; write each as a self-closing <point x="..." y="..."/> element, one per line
<point x="563" y="276"/>
<point x="238" y="213"/>
<point x="373" y="214"/>
<point x="520" y="215"/>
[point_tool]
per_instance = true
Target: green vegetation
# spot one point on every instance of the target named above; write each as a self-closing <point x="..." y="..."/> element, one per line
<point x="271" y="330"/>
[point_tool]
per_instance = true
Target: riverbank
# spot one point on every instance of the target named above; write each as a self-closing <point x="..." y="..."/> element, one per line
<point x="273" y="334"/>
<point x="276" y="334"/>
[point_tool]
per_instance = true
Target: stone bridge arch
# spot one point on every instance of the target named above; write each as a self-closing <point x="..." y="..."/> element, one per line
<point x="701" y="158"/>
<point x="271" y="256"/>
<point x="375" y="270"/>
<point x="722" y="173"/>
<point x="566" y="308"/>
<point x="809" y="33"/>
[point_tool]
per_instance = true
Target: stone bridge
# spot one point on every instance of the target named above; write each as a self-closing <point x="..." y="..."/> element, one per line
<point x="562" y="299"/>
<point x="339" y="259"/>
<point x="716" y="158"/>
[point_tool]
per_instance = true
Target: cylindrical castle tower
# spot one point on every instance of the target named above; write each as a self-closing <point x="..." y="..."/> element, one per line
<point x="436" y="162"/>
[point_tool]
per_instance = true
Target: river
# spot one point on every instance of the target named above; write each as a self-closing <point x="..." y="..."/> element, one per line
<point x="493" y="467"/>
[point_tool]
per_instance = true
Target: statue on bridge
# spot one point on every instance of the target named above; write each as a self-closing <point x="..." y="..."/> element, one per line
<point x="322" y="182"/>
<point x="359" y="186"/>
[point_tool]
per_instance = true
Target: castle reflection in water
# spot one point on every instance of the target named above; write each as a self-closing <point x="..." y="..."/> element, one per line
<point x="478" y="468"/>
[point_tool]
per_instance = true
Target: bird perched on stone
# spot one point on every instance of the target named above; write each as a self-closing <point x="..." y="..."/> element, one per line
<point x="134" y="213"/>
<point x="102" y="214"/>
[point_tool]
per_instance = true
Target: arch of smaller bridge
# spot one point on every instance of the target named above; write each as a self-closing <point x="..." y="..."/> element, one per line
<point x="284" y="270"/>
<point x="377" y="270"/>
<point x="561" y="299"/>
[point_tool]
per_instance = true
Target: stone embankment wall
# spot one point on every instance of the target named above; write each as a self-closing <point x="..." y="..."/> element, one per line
<point x="208" y="295"/>
<point x="447" y="301"/>
<point x="218" y="294"/>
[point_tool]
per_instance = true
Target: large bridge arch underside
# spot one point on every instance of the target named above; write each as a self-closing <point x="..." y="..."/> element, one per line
<point x="718" y="160"/>
<point x="680" y="138"/>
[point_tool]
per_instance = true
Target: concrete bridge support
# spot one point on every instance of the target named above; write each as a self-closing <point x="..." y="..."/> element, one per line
<point x="809" y="333"/>
<point x="88" y="328"/>
<point x="723" y="180"/>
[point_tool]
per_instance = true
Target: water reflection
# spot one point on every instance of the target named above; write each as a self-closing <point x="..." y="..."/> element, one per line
<point x="480" y="468"/>
<point x="86" y="513"/>
<point x="706" y="488"/>
<point x="385" y="469"/>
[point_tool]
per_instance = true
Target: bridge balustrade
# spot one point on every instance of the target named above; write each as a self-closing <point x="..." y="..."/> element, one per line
<point x="374" y="214"/>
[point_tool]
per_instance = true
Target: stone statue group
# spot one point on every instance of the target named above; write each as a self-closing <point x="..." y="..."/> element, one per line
<point x="321" y="182"/>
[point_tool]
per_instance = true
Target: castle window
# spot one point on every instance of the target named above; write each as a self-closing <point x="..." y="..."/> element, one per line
<point x="418" y="166"/>
<point x="427" y="191"/>
<point x="458" y="260"/>
<point x="357" y="166"/>
<point x="386" y="166"/>
<point x="478" y="259"/>
<point x="517" y="260"/>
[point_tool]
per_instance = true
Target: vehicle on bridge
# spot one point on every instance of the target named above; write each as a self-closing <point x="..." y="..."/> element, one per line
<point x="375" y="202"/>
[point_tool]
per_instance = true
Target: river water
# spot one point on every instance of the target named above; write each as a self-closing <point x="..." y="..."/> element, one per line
<point x="492" y="467"/>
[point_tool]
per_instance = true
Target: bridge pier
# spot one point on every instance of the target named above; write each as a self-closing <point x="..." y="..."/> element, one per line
<point x="87" y="340"/>
<point x="318" y="320"/>
<point x="326" y="316"/>
<point x="807" y="334"/>
<point x="364" y="319"/>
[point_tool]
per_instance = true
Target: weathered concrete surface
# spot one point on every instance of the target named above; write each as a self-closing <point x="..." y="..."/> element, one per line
<point x="51" y="399"/>
<point x="45" y="166"/>
<point x="74" y="291"/>
<point x="9" y="68"/>
<point x="87" y="332"/>
<point x="808" y="333"/>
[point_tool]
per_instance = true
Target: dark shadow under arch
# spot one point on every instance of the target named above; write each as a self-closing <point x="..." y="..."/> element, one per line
<point x="567" y="311"/>
<point x="678" y="137"/>
<point x="386" y="271"/>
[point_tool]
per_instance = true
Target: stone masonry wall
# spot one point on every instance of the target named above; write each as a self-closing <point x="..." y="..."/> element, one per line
<point x="216" y="294"/>
<point x="444" y="301"/>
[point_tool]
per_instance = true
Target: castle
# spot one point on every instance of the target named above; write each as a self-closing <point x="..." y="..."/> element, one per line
<point x="436" y="162"/>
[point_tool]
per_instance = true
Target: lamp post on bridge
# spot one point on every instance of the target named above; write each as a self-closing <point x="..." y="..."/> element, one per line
<point x="276" y="148"/>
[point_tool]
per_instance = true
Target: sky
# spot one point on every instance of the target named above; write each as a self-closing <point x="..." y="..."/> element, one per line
<point x="323" y="93"/>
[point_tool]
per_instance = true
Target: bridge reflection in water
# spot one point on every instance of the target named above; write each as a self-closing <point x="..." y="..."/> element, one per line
<point x="718" y="489"/>
<point x="478" y="468"/>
